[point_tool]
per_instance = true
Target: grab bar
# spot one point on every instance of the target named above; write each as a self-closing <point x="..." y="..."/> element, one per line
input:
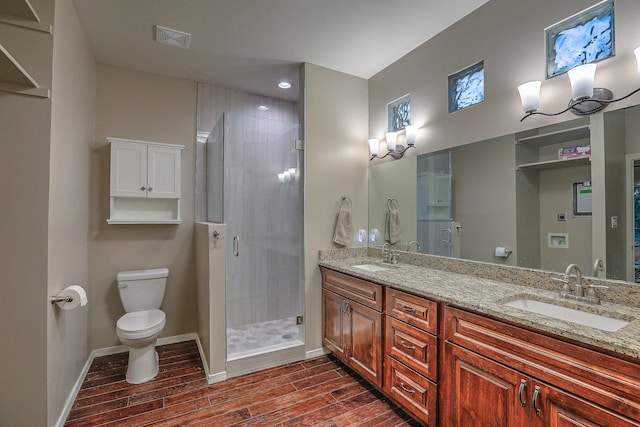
<point x="236" y="246"/>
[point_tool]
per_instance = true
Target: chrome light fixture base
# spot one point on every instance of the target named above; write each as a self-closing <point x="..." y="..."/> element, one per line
<point x="600" y="100"/>
<point x="398" y="153"/>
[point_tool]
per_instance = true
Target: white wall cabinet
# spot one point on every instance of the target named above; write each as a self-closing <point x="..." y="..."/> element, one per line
<point x="145" y="182"/>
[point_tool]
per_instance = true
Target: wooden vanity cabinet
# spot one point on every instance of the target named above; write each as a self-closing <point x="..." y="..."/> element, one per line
<point x="411" y="360"/>
<point x="352" y="323"/>
<point x="498" y="374"/>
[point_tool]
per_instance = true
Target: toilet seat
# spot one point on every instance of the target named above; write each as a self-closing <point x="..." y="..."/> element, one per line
<point x="141" y="324"/>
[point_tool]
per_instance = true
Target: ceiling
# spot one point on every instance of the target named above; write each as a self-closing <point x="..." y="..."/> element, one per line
<point x="254" y="44"/>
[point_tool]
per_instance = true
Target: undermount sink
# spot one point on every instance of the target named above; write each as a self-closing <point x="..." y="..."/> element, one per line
<point x="569" y="314"/>
<point x="370" y="267"/>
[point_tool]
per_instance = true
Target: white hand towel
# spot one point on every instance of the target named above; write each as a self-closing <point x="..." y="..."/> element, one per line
<point x="342" y="233"/>
<point x="392" y="231"/>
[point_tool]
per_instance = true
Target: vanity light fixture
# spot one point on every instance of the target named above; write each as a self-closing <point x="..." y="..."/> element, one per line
<point x="585" y="99"/>
<point x="284" y="85"/>
<point x="411" y="131"/>
<point x="394" y="149"/>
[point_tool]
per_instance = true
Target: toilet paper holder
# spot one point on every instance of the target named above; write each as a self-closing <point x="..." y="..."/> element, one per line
<point x="62" y="298"/>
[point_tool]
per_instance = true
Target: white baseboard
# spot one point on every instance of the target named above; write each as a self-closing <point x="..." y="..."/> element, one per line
<point x="317" y="352"/>
<point x="211" y="378"/>
<point x="114" y="350"/>
<point x="74" y="392"/>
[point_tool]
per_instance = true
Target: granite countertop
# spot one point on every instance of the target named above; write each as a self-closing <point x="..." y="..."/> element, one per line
<point x="488" y="297"/>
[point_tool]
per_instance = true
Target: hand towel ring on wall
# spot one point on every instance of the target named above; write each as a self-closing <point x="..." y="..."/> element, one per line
<point x="347" y="199"/>
<point x="390" y="201"/>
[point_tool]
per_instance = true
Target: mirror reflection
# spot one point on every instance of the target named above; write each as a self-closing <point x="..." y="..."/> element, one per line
<point x="543" y="198"/>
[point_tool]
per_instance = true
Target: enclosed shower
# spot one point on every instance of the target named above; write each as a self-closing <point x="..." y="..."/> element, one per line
<point x="253" y="183"/>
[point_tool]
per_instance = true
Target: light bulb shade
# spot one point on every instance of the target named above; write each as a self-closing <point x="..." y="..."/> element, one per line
<point x="374" y="144"/>
<point x="281" y="178"/>
<point x="287" y="176"/>
<point x="637" y="52"/>
<point x="411" y="132"/>
<point x="530" y="95"/>
<point x="581" y="78"/>
<point x="391" y="141"/>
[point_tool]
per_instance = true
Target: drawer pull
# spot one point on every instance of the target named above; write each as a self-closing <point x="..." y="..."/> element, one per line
<point x="408" y="309"/>
<point x="408" y="347"/>
<point x="523" y="384"/>
<point x="408" y="390"/>
<point x="536" y="393"/>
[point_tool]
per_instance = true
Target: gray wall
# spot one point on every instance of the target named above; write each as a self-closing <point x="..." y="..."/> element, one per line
<point x="72" y="128"/>
<point x="146" y="107"/>
<point x="484" y="189"/>
<point x="25" y="132"/>
<point x="336" y="160"/>
<point x="509" y="36"/>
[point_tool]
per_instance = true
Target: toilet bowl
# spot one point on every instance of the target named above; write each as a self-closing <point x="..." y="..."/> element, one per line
<point x="141" y="292"/>
<point x="139" y="331"/>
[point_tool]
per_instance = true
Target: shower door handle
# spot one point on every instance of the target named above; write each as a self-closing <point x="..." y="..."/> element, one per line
<point x="236" y="246"/>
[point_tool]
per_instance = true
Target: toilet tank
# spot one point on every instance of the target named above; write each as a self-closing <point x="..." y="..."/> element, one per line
<point x="142" y="289"/>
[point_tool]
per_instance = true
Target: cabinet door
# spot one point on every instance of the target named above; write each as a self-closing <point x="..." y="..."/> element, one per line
<point x="333" y="323"/>
<point x="128" y="169"/>
<point x="163" y="172"/>
<point x="364" y="335"/>
<point x="480" y="392"/>
<point x="554" y="407"/>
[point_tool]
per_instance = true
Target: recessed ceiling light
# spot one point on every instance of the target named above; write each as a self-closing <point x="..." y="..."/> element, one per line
<point x="284" y="85"/>
<point x="263" y="108"/>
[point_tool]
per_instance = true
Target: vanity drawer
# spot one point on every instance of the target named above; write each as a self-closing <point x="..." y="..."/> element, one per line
<point x="413" y="392"/>
<point x="419" y="312"/>
<point x="413" y="347"/>
<point x="366" y="293"/>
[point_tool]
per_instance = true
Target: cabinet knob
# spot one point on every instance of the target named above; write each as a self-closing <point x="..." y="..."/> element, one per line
<point x="150" y="189"/>
<point x="143" y="188"/>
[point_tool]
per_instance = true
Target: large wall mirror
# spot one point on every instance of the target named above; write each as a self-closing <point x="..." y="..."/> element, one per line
<point x="543" y="198"/>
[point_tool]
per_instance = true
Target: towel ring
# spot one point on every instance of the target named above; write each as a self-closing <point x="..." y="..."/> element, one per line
<point x="347" y="198"/>
<point x="390" y="201"/>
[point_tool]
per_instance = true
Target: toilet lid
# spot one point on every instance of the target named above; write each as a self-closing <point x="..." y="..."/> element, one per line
<point x="139" y="321"/>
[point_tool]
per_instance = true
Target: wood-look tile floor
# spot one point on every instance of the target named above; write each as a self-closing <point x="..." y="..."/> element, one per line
<point x="315" y="392"/>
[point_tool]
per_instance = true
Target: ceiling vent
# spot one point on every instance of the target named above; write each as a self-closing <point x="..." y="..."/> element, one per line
<point x="172" y="37"/>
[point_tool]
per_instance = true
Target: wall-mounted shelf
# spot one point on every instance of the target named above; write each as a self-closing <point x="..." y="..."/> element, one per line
<point x="555" y="164"/>
<point x="573" y="134"/>
<point x="20" y="13"/>
<point x="15" y="79"/>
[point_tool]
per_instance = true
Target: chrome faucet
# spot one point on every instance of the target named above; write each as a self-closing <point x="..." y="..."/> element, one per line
<point x="578" y="293"/>
<point x="567" y="274"/>
<point x="386" y="245"/>
<point x="389" y="257"/>
<point x="411" y="243"/>
<point x="598" y="265"/>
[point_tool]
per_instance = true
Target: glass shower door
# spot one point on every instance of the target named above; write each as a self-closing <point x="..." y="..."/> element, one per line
<point x="263" y="213"/>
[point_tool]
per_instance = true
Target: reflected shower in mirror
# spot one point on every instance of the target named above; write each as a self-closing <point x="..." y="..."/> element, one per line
<point x="552" y="196"/>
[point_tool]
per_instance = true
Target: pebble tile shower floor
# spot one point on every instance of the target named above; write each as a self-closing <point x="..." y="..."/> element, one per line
<point x="249" y="340"/>
<point x="315" y="392"/>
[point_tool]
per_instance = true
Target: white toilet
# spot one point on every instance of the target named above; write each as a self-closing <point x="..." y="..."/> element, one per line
<point x="141" y="293"/>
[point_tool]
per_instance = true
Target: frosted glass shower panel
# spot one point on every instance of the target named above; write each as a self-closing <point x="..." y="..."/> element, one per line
<point x="264" y="215"/>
